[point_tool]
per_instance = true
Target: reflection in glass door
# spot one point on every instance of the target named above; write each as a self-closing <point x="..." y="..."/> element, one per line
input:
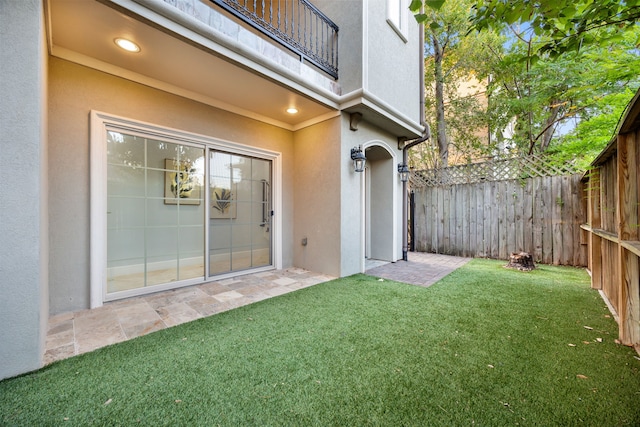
<point x="239" y="212"/>
<point x="155" y="212"/>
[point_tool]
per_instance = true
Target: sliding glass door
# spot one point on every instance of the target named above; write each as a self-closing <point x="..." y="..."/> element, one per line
<point x="240" y="212"/>
<point x="170" y="202"/>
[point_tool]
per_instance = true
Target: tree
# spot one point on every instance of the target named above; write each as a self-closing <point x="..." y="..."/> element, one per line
<point x="454" y="55"/>
<point x="537" y="97"/>
<point x="590" y="136"/>
<point x="540" y="81"/>
<point x="444" y="33"/>
<point x="567" y="25"/>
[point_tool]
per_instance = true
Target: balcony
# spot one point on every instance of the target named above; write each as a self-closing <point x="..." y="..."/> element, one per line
<point x="295" y="24"/>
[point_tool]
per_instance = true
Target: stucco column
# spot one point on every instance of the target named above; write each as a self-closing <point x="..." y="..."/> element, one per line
<point x="23" y="192"/>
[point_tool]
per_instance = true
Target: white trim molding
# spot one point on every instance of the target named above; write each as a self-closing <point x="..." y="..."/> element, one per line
<point x="397" y="17"/>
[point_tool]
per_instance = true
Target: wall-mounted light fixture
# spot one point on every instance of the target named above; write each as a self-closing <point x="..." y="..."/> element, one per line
<point x="358" y="158"/>
<point x="403" y="170"/>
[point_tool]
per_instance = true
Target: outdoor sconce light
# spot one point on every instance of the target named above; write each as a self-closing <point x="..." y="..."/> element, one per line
<point x="358" y="158"/>
<point x="403" y="170"/>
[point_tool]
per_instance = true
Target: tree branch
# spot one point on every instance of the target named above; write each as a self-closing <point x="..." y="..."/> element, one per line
<point x="554" y="122"/>
<point x="594" y="26"/>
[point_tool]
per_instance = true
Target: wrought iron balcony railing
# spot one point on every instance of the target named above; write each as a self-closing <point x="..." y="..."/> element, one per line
<point x="296" y="24"/>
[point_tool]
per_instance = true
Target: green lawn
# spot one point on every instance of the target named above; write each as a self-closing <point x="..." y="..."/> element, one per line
<point x="485" y="346"/>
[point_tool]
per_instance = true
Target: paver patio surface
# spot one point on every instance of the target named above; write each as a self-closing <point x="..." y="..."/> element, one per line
<point x="421" y="269"/>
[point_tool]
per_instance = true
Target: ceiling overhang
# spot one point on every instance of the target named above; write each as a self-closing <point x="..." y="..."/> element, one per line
<point x="381" y="114"/>
<point x="84" y="32"/>
<point x="184" y="56"/>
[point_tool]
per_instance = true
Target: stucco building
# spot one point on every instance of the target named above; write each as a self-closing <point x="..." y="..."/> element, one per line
<point x="220" y="145"/>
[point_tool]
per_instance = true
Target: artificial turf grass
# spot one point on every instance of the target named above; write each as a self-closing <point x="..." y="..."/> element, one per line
<point x="358" y="351"/>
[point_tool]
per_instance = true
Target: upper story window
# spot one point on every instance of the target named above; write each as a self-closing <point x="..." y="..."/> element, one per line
<point x="397" y="17"/>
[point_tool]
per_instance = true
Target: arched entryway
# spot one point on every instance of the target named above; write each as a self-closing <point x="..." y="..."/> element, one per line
<point x="379" y="200"/>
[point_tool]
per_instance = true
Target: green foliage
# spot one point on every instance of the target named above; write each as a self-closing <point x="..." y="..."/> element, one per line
<point x="455" y="109"/>
<point x="535" y="98"/>
<point x="566" y="25"/>
<point x="485" y="346"/>
<point x="591" y="135"/>
<point x="430" y="4"/>
<point x="561" y="60"/>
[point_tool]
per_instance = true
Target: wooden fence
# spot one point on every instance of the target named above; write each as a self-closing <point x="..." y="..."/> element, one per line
<point x="491" y="218"/>
<point x="613" y="225"/>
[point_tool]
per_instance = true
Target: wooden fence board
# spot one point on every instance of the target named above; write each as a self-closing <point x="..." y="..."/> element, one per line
<point x="472" y="242"/>
<point x="579" y="235"/>
<point x="567" y="242"/>
<point x="627" y="220"/>
<point x="461" y="217"/>
<point x="446" y="233"/>
<point x="546" y="198"/>
<point x="608" y="184"/>
<point x="610" y="266"/>
<point x="422" y="228"/>
<point x="538" y="218"/>
<point x="527" y="218"/>
<point x="427" y="208"/>
<point x="436" y="197"/>
<point x="423" y="231"/>
<point x="485" y="213"/>
<point x="519" y="214"/>
<point x="440" y="219"/>
<point x="495" y="221"/>
<point x="510" y="202"/>
<point x="453" y="221"/>
<point x="556" y="218"/>
<point x="502" y="222"/>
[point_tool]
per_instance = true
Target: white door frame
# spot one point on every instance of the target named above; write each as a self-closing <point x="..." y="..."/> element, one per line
<point x="99" y="123"/>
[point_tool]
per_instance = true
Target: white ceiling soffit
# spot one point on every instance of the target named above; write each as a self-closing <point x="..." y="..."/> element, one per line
<point x="83" y="31"/>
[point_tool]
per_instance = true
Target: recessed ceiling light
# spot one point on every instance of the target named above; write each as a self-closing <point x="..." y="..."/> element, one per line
<point x="127" y="45"/>
<point x="292" y="110"/>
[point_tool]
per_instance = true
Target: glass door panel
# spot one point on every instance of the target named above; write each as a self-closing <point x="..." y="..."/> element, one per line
<point x="155" y="212"/>
<point x="240" y="216"/>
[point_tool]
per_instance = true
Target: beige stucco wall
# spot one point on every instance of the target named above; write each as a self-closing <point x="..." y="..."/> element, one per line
<point x="317" y="197"/>
<point x="393" y="64"/>
<point x="372" y="55"/>
<point x="382" y="174"/>
<point x="329" y="197"/>
<point x="385" y="194"/>
<point x="75" y="91"/>
<point x="23" y="210"/>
